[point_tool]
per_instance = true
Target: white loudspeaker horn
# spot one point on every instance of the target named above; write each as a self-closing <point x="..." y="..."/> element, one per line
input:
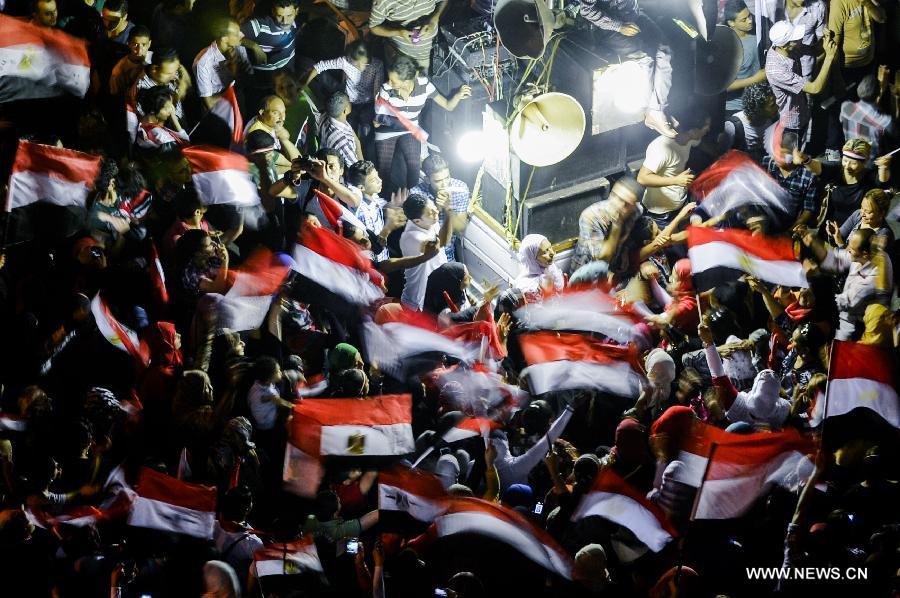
<point x="547" y="129"/>
<point x="524" y="26"/>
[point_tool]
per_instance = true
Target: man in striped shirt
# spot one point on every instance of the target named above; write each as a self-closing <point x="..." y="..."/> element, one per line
<point x="409" y="25"/>
<point x="335" y="132"/>
<point x="274" y="35"/>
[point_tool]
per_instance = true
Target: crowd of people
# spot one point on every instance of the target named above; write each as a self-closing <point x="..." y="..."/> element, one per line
<point x="127" y="368"/>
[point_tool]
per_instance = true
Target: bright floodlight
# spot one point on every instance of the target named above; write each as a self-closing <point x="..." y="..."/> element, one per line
<point x="631" y="87"/>
<point x="471" y="146"/>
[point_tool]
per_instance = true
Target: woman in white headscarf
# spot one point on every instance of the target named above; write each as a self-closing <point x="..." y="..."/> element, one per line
<point x="538" y="270"/>
<point x="762" y="406"/>
<point x="654" y="399"/>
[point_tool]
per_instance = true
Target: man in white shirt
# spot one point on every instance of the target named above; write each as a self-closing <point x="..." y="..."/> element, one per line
<point x="665" y="173"/>
<point x="217" y="65"/>
<point x="422" y="227"/>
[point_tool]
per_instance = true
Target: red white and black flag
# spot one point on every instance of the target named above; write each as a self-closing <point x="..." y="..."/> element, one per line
<point x="167" y="504"/>
<point x="862" y="377"/>
<point x="569" y="361"/>
<point x="720" y="256"/>
<point x="46" y="173"/>
<point x="222" y="126"/>
<point x="40" y="62"/>
<point x="220" y="176"/>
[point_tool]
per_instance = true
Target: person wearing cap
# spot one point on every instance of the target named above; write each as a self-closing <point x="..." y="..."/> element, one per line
<point x="847" y="182"/>
<point x="789" y="87"/>
<point x="864" y="119"/>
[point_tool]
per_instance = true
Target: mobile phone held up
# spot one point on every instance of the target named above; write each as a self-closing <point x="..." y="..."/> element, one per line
<point x="538" y="508"/>
<point x="352" y="546"/>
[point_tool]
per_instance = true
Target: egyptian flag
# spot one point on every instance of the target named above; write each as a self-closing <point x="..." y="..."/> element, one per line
<point x="721" y="256"/>
<point x="862" y="377"/>
<point x="117" y="334"/>
<point x="245" y="305"/>
<point x="378" y="426"/>
<point x="152" y="136"/>
<point x="45" y="173"/>
<point x="403" y="347"/>
<point x="590" y="310"/>
<point x="170" y="505"/>
<point x="409" y="499"/>
<point x="479" y="517"/>
<point x="568" y="361"/>
<point x="694" y="449"/>
<point x="338" y="265"/>
<point x="330" y="212"/>
<point x="470" y="427"/>
<point x="222" y="125"/>
<point x="40" y="62"/>
<point x="735" y="180"/>
<point x="220" y="176"/>
<point x="614" y="499"/>
<point x="292" y="558"/>
<point x="744" y="467"/>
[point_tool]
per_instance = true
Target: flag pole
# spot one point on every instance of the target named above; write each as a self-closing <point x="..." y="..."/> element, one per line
<point x="712" y="452"/>
<point x="827" y="385"/>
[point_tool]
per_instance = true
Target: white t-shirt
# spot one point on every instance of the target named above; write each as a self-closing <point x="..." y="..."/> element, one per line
<point x="263" y="408"/>
<point x="411" y="241"/>
<point x="666" y="158"/>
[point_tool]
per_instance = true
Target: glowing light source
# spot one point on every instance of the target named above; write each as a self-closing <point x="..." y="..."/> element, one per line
<point x="471" y="146"/>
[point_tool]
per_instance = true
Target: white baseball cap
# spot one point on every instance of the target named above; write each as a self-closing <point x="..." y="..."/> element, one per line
<point x="783" y="32"/>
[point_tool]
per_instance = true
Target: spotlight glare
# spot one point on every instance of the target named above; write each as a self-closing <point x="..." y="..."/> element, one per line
<point x="632" y="88"/>
<point x="471" y="146"/>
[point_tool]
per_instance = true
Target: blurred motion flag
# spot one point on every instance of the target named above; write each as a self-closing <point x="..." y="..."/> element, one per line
<point x="117" y="334"/>
<point x="614" y="499"/>
<point x="584" y="311"/>
<point x="745" y="467"/>
<point x="245" y="305"/>
<point x="568" y="361"/>
<point x="40" y="62"/>
<point x="220" y="176"/>
<point x="222" y="126"/>
<point x="167" y="504"/>
<point x="45" y="173"/>
<point x="735" y="180"/>
<point x="292" y="558"/>
<point x="338" y="265"/>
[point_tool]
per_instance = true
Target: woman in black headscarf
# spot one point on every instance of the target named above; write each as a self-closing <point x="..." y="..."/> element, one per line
<point x="451" y="278"/>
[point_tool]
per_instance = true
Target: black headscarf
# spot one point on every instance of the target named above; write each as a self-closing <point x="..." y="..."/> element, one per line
<point x="447" y="278"/>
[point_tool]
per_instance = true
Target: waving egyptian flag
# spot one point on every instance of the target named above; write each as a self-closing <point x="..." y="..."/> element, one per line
<point x="373" y="427"/>
<point x="222" y="126"/>
<point x="40" y="62"/>
<point x="338" y="266"/>
<point x="862" y="377"/>
<point x="220" y="176"/>
<point x="721" y="256"/>
<point x="409" y="499"/>
<point x="567" y="361"/>
<point x="614" y="499"/>
<point x="589" y="310"/>
<point x="735" y="180"/>
<point x="118" y="334"/>
<point x="167" y="504"/>
<point x="742" y="468"/>
<point x="293" y="558"/>
<point x="483" y="518"/>
<point x="46" y="173"/>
